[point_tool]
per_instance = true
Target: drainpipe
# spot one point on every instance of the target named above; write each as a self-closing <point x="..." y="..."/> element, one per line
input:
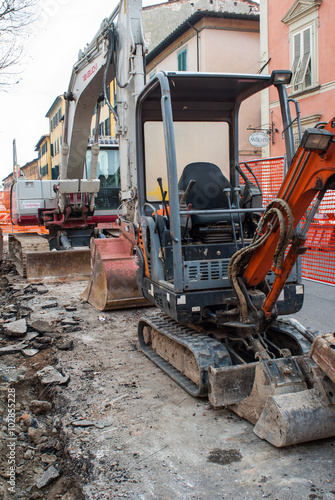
<point x="198" y="44"/>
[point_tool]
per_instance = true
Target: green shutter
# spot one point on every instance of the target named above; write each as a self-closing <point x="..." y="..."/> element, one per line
<point x="182" y="61"/>
<point x="306" y="56"/>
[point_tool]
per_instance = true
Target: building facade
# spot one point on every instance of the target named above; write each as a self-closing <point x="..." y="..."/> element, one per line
<point x="7" y="182"/>
<point x="56" y="119"/>
<point x="31" y="170"/>
<point x="223" y="42"/>
<point x="44" y="157"/>
<point x="295" y="35"/>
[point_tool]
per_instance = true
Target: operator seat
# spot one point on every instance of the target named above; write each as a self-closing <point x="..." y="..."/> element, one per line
<point x="207" y="192"/>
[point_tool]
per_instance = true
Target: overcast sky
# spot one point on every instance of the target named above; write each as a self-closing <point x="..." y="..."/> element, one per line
<point x="50" y="50"/>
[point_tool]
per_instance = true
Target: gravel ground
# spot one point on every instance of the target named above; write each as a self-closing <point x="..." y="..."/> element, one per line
<point x="116" y="426"/>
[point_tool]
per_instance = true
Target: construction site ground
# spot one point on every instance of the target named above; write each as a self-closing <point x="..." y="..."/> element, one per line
<point x="95" y="419"/>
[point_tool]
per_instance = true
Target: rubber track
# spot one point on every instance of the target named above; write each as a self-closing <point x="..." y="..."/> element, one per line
<point x="22" y="243"/>
<point x="282" y="326"/>
<point x="207" y="351"/>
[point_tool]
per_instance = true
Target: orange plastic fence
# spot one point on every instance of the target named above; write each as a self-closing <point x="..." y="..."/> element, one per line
<point x="318" y="263"/>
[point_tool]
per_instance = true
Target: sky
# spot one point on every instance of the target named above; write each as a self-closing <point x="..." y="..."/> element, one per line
<point x="51" y="47"/>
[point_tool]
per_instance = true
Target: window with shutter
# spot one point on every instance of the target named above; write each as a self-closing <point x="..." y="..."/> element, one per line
<point x="182" y="60"/>
<point x="302" y="20"/>
<point x="296" y="51"/>
<point x="107" y="127"/>
<point x="302" y="61"/>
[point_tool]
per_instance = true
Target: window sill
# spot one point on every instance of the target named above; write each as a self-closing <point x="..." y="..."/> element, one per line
<point x="305" y="91"/>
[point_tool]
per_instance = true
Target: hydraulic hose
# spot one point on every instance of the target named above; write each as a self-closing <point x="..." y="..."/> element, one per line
<point x="240" y="259"/>
<point x="111" y="47"/>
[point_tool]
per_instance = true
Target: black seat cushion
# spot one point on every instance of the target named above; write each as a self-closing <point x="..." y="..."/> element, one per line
<point x="207" y="192"/>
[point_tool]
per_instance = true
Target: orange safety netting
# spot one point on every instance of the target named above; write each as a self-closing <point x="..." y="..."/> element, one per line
<point x="318" y="263"/>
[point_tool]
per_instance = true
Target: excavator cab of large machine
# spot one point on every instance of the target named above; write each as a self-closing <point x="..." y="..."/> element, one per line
<point x="192" y="216"/>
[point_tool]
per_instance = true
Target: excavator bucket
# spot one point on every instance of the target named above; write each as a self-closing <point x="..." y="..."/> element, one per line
<point x="113" y="283"/>
<point x="289" y="400"/>
<point x="33" y="260"/>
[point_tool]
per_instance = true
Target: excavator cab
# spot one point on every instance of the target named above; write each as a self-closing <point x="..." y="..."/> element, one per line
<point x="108" y="173"/>
<point x="193" y="216"/>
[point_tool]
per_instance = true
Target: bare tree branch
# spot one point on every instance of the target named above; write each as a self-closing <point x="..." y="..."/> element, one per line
<point x="15" y="16"/>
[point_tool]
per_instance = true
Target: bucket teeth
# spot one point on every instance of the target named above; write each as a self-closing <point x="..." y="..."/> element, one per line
<point x="323" y="353"/>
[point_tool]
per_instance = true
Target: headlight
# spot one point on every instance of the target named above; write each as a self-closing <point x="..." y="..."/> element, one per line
<point x="316" y="139"/>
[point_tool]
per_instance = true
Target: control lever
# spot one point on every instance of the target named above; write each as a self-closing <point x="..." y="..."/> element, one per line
<point x="185" y="221"/>
<point x="163" y="193"/>
<point x="245" y="178"/>
<point x="237" y="192"/>
<point x="227" y="192"/>
<point x="184" y="196"/>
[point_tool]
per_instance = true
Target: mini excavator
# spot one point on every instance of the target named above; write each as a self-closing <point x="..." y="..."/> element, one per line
<point x="220" y="269"/>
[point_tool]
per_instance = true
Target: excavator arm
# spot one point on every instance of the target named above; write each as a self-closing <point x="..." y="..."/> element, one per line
<point x="66" y="206"/>
<point x="113" y="283"/>
<point x="310" y="175"/>
<point x="115" y="53"/>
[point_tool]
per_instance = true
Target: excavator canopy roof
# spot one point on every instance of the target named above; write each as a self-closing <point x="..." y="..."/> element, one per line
<point x="200" y="96"/>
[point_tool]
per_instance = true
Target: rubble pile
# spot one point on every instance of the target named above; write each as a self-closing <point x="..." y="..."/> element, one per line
<point x="93" y="418"/>
<point x="32" y="329"/>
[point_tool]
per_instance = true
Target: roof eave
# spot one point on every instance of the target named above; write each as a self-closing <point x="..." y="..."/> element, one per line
<point x="191" y="21"/>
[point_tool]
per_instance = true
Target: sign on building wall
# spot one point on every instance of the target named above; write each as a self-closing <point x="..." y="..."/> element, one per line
<point x="259" y="139"/>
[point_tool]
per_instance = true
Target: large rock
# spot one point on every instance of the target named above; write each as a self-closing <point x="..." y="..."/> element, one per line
<point x="39" y="407"/>
<point x="12" y="349"/>
<point x="50" y="474"/>
<point x="41" y="325"/>
<point x="50" y="376"/>
<point x="36" y="436"/>
<point x="15" y="328"/>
